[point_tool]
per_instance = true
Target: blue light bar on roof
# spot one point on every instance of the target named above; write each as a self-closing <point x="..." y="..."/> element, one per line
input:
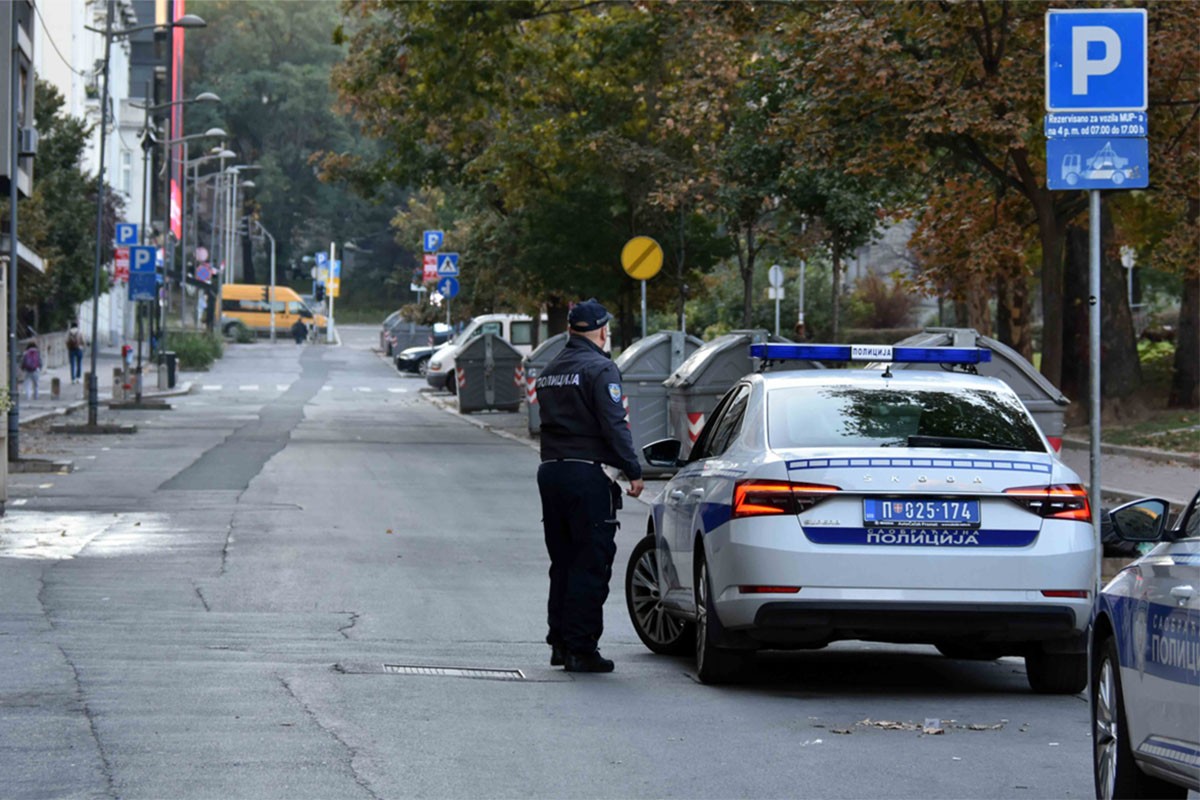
<point x="871" y="352"/>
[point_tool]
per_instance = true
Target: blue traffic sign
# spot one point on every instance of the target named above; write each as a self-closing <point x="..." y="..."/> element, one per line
<point x="1096" y="60"/>
<point x="142" y="259"/>
<point x="1097" y="164"/>
<point x="143" y="285"/>
<point x="433" y="241"/>
<point x="447" y="264"/>
<point x="447" y="287"/>
<point x="127" y="234"/>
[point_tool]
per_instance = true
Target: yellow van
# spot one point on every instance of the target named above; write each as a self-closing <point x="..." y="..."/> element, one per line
<point x="246" y="304"/>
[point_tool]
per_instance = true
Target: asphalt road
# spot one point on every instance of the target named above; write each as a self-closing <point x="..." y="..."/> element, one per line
<point x="228" y="604"/>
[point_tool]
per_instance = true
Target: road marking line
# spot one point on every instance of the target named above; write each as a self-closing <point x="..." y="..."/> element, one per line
<point x="283" y="387"/>
<point x="211" y="387"/>
<point x="326" y="388"/>
<point x="20" y="502"/>
<point x="45" y="485"/>
<point x="250" y="387"/>
<point x="363" y="389"/>
<point x="395" y="390"/>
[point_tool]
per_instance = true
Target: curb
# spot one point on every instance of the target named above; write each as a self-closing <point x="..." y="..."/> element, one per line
<point x="1147" y="453"/>
<point x="61" y="411"/>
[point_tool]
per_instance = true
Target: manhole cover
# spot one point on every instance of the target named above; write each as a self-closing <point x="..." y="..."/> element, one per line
<point x="456" y="672"/>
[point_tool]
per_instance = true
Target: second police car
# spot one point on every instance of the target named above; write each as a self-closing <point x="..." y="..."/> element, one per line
<point x="907" y="507"/>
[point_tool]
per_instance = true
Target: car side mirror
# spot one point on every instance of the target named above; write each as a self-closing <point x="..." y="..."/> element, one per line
<point x="304" y="312"/>
<point x="1142" y="520"/>
<point x="663" y="453"/>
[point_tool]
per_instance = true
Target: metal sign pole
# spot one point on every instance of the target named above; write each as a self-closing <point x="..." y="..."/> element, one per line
<point x="643" y="309"/>
<point x="1094" y="368"/>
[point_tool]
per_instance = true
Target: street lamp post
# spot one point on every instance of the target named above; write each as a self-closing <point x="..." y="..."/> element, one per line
<point x="210" y="133"/>
<point x="186" y="21"/>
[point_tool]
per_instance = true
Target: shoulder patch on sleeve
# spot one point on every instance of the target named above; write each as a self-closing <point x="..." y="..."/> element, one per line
<point x="614" y="392"/>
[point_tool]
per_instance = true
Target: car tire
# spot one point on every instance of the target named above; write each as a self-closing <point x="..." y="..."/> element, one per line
<point x="714" y="666"/>
<point x="969" y="651"/>
<point x="1056" y="673"/>
<point x="452" y="382"/>
<point x="423" y="367"/>
<point x="1114" y="771"/>
<point x="660" y="631"/>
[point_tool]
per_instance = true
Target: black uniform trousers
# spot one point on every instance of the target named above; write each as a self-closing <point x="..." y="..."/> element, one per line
<point x="579" y="516"/>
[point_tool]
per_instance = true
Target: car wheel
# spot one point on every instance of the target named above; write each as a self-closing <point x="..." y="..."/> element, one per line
<point x="452" y="382"/>
<point x="713" y="665"/>
<point x="1115" y="772"/>
<point x="969" y="651"/>
<point x="660" y="631"/>
<point x="423" y="367"/>
<point x="1056" y="673"/>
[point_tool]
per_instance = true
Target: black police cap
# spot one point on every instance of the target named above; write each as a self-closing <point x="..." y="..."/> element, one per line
<point x="588" y="316"/>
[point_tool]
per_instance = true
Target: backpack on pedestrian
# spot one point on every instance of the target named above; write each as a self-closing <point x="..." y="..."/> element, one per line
<point x="74" y="339"/>
<point x="31" y="361"/>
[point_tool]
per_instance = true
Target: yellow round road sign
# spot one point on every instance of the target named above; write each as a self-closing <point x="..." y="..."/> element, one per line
<point x="642" y="258"/>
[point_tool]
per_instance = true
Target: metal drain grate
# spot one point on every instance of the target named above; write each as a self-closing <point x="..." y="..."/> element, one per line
<point x="456" y="672"/>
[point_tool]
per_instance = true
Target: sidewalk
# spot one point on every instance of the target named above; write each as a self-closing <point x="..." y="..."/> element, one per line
<point x="75" y="395"/>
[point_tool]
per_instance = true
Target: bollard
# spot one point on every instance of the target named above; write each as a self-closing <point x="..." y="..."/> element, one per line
<point x="55" y="388"/>
<point x="118" y="385"/>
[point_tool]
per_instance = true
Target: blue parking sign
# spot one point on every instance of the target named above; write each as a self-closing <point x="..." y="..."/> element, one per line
<point x="1096" y="60"/>
<point x="432" y="241"/>
<point x="142" y="259"/>
<point x="127" y="234"/>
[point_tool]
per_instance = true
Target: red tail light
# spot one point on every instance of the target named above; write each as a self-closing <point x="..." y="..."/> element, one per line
<point x="1081" y="594"/>
<point x="767" y="498"/>
<point x="768" y="589"/>
<point x="1063" y="501"/>
<point x="1056" y="443"/>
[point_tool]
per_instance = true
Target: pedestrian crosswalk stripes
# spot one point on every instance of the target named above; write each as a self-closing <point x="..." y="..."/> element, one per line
<point x="283" y="387"/>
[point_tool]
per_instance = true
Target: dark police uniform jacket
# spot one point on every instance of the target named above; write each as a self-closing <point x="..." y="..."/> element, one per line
<point x="582" y="413"/>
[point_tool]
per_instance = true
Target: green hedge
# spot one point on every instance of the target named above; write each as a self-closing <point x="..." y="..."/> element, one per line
<point x="195" y="349"/>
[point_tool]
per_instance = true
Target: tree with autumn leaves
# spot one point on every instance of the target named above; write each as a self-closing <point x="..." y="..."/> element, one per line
<point x="573" y="126"/>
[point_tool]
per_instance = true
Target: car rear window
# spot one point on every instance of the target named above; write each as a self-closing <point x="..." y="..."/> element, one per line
<point x="855" y="416"/>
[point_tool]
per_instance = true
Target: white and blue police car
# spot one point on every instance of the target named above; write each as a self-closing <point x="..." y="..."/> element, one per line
<point x="1145" y="659"/>
<point x="907" y="506"/>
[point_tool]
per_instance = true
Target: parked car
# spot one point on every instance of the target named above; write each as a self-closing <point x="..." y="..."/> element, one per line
<point x="906" y="506"/>
<point x="516" y="329"/>
<point x="416" y="359"/>
<point x="1145" y="659"/>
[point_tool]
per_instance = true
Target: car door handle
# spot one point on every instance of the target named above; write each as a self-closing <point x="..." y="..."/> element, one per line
<point x="696" y="493"/>
<point x="1183" y="592"/>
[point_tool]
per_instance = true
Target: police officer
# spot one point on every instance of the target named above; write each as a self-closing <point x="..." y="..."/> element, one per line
<point x="583" y="427"/>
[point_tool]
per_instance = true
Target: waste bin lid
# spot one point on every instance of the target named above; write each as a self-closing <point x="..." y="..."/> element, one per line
<point x="545" y="352"/>
<point x="1007" y="364"/>
<point x="728" y="354"/>
<point x="636" y="362"/>
<point x="476" y="350"/>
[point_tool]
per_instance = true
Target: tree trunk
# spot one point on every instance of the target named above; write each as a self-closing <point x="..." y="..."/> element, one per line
<point x="1121" y="370"/>
<point x="1073" y="344"/>
<point x="1013" y="313"/>
<point x="835" y="317"/>
<point x="556" y="314"/>
<point x="978" y="313"/>
<point x="1185" y="380"/>
<point x="746" y="268"/>
<point x="1053" y="334"/>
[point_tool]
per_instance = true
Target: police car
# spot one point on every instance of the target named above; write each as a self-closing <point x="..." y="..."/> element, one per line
<point x="1145" y="660"/>
<point x="914" y="506"/>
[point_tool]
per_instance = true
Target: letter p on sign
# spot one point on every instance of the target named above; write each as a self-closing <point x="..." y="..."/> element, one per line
<point x="1096" y="60"/>
<point x="1082" y="65"/>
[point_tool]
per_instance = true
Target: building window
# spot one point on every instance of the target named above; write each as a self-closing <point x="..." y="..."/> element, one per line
<point x="127" y="173"/>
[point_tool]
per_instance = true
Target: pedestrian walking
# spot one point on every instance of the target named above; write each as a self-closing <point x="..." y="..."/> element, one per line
<point x="583" y="429"/>
<point x="31" y="365"/>
<point x="299" y="331"/>
<point x="75" y="345"/>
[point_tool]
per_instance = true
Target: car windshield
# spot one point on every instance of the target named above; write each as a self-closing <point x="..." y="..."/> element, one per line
<point x="855" y="416"/>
